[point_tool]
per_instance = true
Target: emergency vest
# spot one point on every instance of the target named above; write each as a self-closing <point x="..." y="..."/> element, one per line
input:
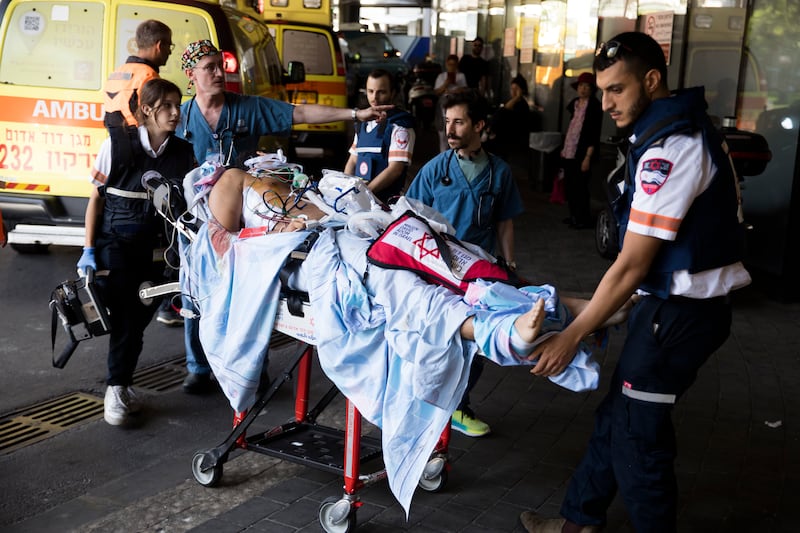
<point x="710" y="235"/>
<point x="121" y="96"/>
<point x="128" y="211"/>
<point x="371" y="162"/>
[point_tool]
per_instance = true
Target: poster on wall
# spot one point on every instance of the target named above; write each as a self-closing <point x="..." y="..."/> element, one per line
<point x="526" y="45"/>
<point x="659" y="27"/>
<point x="510" y="42"/>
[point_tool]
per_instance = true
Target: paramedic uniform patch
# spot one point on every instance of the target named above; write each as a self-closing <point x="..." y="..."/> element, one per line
<point x="654" y="174"/>
<point x="402" y="139"/>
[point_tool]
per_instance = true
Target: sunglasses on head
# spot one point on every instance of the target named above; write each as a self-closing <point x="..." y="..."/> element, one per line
<point x="611" y="49"/>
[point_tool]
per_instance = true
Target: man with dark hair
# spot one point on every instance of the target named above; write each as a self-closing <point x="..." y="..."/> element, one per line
<point x="681" y="242"/>
<point x="381" y="151"/>
<point x="476" y="193"/>
<point x="476" y="68"/>
<point x="154" y="45"/>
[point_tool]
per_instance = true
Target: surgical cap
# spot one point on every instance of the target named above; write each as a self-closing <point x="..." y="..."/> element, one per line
<point x="197" y="51"/>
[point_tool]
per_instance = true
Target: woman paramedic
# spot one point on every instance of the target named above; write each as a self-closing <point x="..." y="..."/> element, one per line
<point x="123" y="230"/>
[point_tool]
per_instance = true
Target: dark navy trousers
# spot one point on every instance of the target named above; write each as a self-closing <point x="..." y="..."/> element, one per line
<point x="632" y="448"/>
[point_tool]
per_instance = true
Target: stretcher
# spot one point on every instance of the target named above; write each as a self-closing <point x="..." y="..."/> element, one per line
<point x="304" y="441"/>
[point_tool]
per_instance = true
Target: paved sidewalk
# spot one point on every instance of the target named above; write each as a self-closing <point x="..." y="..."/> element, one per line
<point x="738" y="467"/>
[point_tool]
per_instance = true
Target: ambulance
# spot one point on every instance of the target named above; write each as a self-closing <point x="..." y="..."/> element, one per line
<point x="303" y="33"/>
<point x="55" y="56"/>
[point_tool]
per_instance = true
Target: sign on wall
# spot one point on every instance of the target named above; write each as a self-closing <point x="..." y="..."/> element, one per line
<point x="659" y="27"/>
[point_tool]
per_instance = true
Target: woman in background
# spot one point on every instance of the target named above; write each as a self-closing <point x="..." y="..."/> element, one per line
<point x="580" y="146"/>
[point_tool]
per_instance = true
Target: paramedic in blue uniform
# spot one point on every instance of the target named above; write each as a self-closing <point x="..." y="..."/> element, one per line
<point x="681" y="248"/>
<point x="122" y="232"/>
<point x="225" y="127"/>
<point x="381" y="151"/>
<point x="476" y="193"/>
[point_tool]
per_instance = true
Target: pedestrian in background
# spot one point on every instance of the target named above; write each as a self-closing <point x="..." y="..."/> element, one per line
<point x="381" y="151"/>
<point x="476" y="68"/>
<point x="476" y="193"/>
<point x="510" y="125"/>
<point x="682" y="243"/>
<point x="448" y="82"/>
<point x="123" y="230"/>
<point x="580" y="146"/>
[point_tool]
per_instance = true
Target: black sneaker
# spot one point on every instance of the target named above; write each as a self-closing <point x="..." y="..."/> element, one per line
<point x="169" y="317"/>
<point x="199" y="384"/>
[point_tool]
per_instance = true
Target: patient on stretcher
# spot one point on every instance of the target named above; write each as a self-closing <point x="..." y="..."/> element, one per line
<point x="242" y="200"/>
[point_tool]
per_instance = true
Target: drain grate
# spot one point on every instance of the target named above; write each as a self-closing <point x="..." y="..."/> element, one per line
<point x="44" y="420"/>
<point x="161" y="377"/>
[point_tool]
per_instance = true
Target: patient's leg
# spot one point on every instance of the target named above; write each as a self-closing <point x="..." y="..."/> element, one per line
<point x="577" y="305"/>
<point x="527" y="325"/>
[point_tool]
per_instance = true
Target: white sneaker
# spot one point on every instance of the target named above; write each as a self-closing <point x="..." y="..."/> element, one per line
<point x="134" y="402"/>
<point x="115" y="405"/>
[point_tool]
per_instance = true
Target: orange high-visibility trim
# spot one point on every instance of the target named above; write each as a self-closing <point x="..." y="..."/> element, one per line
<point x="655" y="221"/>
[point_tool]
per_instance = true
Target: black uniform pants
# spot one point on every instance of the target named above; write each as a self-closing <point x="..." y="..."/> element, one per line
<point x="633" y="447"/>
<point x="129" y="263"/>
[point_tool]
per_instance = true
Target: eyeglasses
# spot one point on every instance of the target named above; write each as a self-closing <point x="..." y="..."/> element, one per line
<point x="611" y="49"/>
<point x="211" y="68"/>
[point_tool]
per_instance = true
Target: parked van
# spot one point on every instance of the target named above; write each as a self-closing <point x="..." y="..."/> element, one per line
<point x="317" y="48"/>
<point x="303" y="32"/>
<point x="55" y="56"/>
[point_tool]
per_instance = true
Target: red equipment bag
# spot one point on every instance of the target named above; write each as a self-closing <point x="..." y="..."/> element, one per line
<point x="409" y="243"/>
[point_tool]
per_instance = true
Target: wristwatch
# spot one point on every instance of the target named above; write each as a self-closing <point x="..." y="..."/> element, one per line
<point x="355" y="114"/>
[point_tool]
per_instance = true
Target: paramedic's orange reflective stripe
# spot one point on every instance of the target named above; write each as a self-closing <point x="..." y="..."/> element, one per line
<point x="24" y="186"/>
<point x="57" y="112"/>
<point x="322" y="87"/>
<point x="655" y="221"/>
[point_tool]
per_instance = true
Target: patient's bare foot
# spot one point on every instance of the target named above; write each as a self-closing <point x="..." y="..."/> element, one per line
<point x="529" y="324"/>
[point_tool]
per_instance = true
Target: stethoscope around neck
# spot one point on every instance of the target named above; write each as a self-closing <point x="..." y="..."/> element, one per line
<point x="482" y="219"/>
<point x="240" y="131"/>
<point x="447" y="180"/>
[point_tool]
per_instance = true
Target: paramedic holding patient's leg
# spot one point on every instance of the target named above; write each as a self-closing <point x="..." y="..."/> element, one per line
<point x="681" y="247"/>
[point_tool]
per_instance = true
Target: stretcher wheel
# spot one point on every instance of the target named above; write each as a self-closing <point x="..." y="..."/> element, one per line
<point x="207" y="478"/>
<point x="434" y="477"/>
<point x="337" y="515"/>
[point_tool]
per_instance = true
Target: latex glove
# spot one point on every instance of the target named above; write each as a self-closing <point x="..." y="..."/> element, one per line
<point x="86" y="260"/>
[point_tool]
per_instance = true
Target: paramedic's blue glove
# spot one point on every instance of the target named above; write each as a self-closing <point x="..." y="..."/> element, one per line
<point x="86" y="260"/>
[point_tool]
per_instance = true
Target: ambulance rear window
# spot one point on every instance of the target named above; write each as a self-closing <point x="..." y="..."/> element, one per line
<point x="53" y="44"/>
<point x="310" y="47"/>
